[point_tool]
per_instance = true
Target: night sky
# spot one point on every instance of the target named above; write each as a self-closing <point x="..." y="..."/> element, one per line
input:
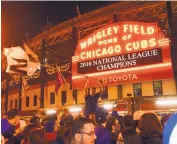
<point x="17" y="18"/>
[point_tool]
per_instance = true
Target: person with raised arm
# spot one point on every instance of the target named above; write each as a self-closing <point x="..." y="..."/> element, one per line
<point x="91" y="99"/>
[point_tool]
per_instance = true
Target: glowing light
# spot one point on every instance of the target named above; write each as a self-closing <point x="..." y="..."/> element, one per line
<point x="167" y="102"/>
<point x="163" y="42"/>
<point x="75" y="109"/>
<point x="51" y="112"/>
<point x="119" y="112"/>
<point x="125" y="70"/>
<point x="75" y="58"/>
<point x="108" y="106"/>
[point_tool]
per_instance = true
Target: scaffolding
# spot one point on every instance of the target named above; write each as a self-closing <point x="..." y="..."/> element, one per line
<point x="89" y="22"/>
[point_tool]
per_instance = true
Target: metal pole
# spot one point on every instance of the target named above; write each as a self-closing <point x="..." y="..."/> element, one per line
<point x="20" y="94"/>
<point x="7" y="89"/>
<point x="132" y="101"/>
<point x="42" y="74"/>
<point x="172" y="35"/>
<point x="115" y="18"/>
<point x="169" y="14"/>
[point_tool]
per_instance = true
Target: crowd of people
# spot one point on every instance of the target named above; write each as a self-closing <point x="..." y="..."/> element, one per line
<point x="95" y="126"/>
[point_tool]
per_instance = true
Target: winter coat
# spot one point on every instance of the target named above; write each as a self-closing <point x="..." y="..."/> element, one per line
<point x="91" y="103"/>
<point x="151" y="140"/>
<point x="114" y="138"/>
<point x="103" y="135"/>
<point x="130" y="136"/>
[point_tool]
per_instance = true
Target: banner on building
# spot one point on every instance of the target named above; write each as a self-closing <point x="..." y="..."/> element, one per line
<point x="20" y="61"/>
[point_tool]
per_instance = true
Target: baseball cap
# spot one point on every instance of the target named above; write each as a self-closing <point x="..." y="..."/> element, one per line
<point x="101" y="115"/>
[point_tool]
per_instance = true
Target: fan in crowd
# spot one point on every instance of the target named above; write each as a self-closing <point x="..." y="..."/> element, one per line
<point x="82" y="131"/>
<point x="91" y="100"/>
<point x="144" y="128"/>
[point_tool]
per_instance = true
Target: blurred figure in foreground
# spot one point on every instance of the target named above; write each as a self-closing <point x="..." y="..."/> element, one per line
<point x="102" y="133"/>
<point x="36" y="136"/>
<point x="112" y="125"/>
<point x="129" y="133"/>
<point x="10" y="127"/>
<point x="49" y="123"/>
<point x="27" y="130"/>
<point x="63" y="134"/>
<point x="150" y="129"/>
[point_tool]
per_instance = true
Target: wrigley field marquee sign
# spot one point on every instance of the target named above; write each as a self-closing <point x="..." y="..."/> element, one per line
<point x="122" y="53"/>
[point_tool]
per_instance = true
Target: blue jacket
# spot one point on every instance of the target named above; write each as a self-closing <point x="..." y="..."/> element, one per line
<point x="7" y="129"/>
<point x="4" y="125"/>
<point x="103" y="135"/>
<point x="49" y="126"/>
<point x="91" y="103"/>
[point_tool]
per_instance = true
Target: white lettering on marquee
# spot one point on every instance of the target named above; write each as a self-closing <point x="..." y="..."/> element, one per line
<point x="152" y="42"/>
<point x="114" y="45"/>
<point x="82" y="55"/>
<point x="108" y="41"/>
<point x="89" y="41"/>
<point x="101" y="52"/>
<point x="109" y="31"/>
<point x="128" y="28"/>
<point x="98" y="54"/>
<point x="129" y="47"/>
<point x="150" y="30"/>
<point x="83" y="45"/>
<point x="110" y="66"/>
<point x="123" y="78"/>
<point x="141" y="44"/>
<point x="101" y="34"/>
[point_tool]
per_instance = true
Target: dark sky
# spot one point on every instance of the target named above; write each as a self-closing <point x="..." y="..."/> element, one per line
<point x="19" y="17"/>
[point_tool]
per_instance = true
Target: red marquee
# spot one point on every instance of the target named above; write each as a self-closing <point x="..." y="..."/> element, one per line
<point x="121" y="53"/>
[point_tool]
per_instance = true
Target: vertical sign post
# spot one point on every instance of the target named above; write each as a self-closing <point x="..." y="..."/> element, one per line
<point x="42" y="75"/>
